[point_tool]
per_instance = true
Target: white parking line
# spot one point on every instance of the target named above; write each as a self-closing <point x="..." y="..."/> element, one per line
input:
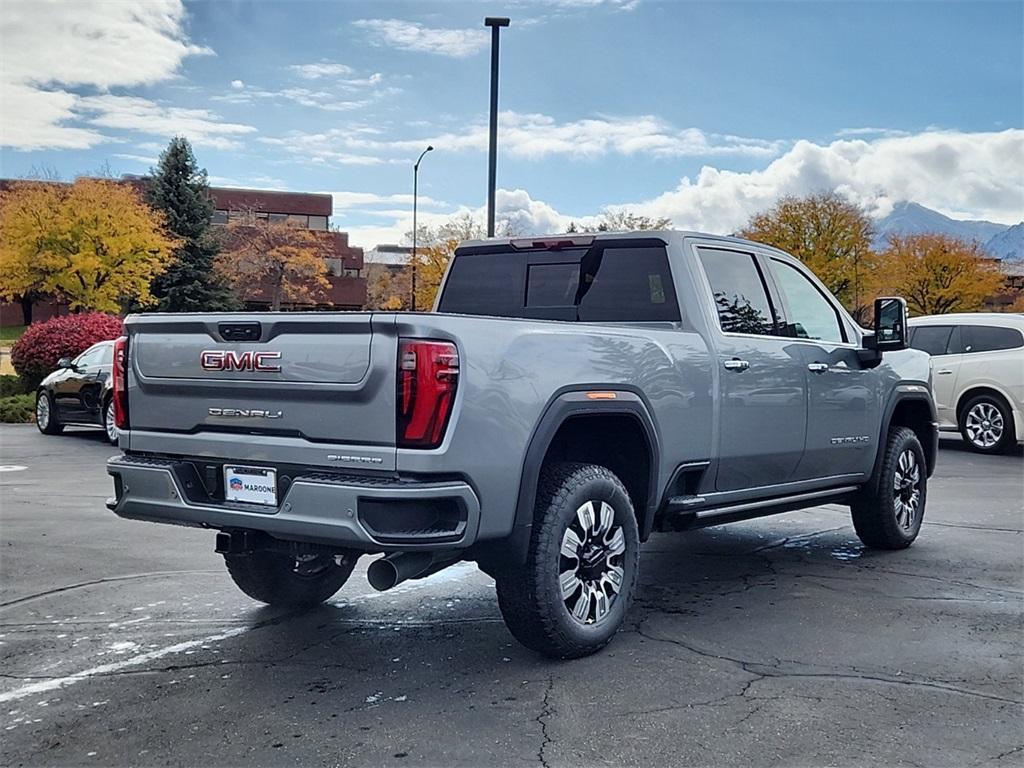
<point x="42" y="686"/>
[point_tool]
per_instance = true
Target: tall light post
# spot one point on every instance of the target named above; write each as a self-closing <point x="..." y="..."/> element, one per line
<point x="495" y="23"/>
<point x="415" y="194"/>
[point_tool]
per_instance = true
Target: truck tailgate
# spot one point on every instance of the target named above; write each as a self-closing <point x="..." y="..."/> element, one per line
<point x="309" y="377"/>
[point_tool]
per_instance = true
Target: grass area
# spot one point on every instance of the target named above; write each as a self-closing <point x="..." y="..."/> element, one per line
<point x="11" y="333"/>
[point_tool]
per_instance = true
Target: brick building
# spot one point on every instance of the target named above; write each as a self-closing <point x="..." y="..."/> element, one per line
<point x="345" y="265"/>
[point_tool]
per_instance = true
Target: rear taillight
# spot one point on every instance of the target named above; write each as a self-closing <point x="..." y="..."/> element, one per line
<point x="120" y="374"/>
<point x="428" y="373"/>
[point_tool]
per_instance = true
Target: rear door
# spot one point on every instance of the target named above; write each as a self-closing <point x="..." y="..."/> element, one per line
<point x="762" y="386"/>
<point x="309" y="379"/>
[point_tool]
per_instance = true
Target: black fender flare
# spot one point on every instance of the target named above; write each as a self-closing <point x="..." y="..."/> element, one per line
<point x="563" y="405"/>
<point x="903" y="393"/>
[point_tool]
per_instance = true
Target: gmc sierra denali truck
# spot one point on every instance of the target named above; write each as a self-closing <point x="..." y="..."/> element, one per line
<point x="566" y="397"/>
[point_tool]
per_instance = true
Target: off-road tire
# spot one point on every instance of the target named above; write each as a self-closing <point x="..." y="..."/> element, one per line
<point x="1006" y="440"/>
<point x="53" y="425"/>
<point x="875" y="513"/>
<point x="530" y="597"/>
<point x="270" y="578"/>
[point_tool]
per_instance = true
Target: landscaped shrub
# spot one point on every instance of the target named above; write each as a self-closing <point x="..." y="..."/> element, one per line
<point x="36" y="353"/>
<point x="11" y="385"/>
<point x="17" y="409"/>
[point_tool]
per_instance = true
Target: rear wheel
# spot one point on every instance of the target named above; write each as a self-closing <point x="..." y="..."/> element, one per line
<point x="986" y="424"/>
<point x="277" y="578"/>
<point x="109" y="425"/>
<point x="46" y="415"/>
<point x="572" y="594"/>
<point x="888" y="513"/>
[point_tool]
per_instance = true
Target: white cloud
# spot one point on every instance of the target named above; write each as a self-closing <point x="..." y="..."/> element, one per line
<point x="237" y="84"/>
<point x="536" y="136"/>
<point x="964" y="175"/>
<point x="412" y="36"/>
<point x="321" y="69"/>
<point x="49" y="46"/>
<point x="141" y="159"/>
<point x="134" y="113"/>
<point x="346" y="200"/>
<point x="869" y="131"/>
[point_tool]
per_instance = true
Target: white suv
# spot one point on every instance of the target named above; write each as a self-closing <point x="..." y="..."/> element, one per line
<point x="977" y="375"/>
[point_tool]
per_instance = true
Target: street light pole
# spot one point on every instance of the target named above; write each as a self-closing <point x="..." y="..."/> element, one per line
<point x="415" y="195"/>
<point x="495" y="23"/>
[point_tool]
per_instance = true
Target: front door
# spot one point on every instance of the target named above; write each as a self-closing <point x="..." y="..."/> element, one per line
<point x="762" y="384"/>
<point x="843" y="411"/>
<point x="945" y="346"/>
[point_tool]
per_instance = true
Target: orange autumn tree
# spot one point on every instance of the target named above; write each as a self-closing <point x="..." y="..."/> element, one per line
<point x="937" y="274"/>
<point x="93" y="243"/>
<point x="281" y="259"/>
<point x="431" y="264"/>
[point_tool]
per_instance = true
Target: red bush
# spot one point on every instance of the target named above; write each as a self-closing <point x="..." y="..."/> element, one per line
<point x="36" y="353"/>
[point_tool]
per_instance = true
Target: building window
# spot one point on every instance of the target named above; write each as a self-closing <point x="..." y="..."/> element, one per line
<point x="298" y="218"/>
<point x="318" y="222"/>
<point x="277" y="217"/>
<point x="351" y="272"/>
<point x="219" y="217"/>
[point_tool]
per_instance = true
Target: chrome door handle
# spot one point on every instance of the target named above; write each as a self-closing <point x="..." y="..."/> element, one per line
<point x="817" y="367"/>
<point x="944" y="372"/>
<point x="736" y="365"/>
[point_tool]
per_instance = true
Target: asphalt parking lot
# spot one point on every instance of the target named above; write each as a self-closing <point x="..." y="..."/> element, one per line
<point x="773" y="642"/>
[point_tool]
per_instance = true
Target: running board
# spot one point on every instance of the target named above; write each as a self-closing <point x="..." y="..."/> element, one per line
<point x="686" y="519"/>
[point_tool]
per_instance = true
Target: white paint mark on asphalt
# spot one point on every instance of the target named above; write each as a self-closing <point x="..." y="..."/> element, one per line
<point x="188" y="647"/>
<point x="12" y="468"/>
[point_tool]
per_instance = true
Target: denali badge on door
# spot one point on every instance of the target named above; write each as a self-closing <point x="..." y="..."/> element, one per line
<point x="253" y="485"/>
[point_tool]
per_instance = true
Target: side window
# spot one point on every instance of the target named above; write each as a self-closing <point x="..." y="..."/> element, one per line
<point x="988" y="338"/>
<point x="933" y="339"/>
<point x="90" y="358"/>
<point x="105" y="355"/>
<point x="740" y="296"/>
<point x="809" y="314"/>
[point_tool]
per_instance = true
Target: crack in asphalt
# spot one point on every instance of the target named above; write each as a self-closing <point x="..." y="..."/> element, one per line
<point x="542" y="720"/>
<point x="93" y="582"/>
<point x="753" y="667"/>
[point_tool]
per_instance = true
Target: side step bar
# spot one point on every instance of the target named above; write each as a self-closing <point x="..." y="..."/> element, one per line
<point x="679" y="518"/>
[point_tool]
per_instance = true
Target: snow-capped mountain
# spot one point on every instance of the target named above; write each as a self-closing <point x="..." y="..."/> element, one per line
<point x="1008" y="245"/>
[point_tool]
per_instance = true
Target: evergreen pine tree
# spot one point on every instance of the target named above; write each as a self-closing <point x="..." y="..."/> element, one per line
<point x="179" y="188"/>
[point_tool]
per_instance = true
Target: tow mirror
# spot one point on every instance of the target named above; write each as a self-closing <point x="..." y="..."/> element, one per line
<point x="890" y="324"/>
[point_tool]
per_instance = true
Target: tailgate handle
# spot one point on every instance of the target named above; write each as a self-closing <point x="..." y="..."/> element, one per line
<point x="240" y="331"/>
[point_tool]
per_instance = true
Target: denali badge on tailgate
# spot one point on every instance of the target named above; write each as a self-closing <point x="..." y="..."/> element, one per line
<point x="230" y="360"/>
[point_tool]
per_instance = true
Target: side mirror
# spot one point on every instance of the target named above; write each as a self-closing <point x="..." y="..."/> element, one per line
<point x="890" y="324"/>
<point x="65" y="362"/>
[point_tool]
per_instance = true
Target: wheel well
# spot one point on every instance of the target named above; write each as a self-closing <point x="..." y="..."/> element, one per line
<point x="916" y="415"/>
<point x="614" y="440"/>
<point x="966" y="398"/>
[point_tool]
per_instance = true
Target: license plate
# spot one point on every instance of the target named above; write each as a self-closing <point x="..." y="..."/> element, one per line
<point x="252" y="485"/>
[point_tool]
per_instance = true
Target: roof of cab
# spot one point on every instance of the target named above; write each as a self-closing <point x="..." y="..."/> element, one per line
<point x="668" y="235"/>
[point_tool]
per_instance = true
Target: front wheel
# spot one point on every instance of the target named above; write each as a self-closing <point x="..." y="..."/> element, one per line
<point x="986" y="424"/>
<point x="887" y="514"/>
<point x="294" y="581"/>
<point x="46" y="415"/>
<point x="572" y="594"/>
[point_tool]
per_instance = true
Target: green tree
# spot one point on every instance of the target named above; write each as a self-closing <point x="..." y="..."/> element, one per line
<point x="829" y="234"/>
<point x="179" y="189"/>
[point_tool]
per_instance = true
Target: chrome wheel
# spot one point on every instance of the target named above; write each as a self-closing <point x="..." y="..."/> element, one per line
<point x="109" y="424"/>
<point x="43" y="411"/>
<point x="907" y="490"/>
<point x="591" y="563"/>
<point x="984" y="425"/>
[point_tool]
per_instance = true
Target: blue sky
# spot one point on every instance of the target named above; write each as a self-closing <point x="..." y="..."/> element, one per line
<point x="702" y="112"/>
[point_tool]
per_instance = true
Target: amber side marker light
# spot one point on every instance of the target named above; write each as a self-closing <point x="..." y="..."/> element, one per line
<point x="600" y="395"/>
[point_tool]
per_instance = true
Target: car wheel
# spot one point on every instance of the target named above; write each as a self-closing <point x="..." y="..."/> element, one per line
<point x="572" y="594"/>
<point x="109" y="425"/>
<point x="888" y="513"/>
<point x="986" y="424"/>
<point x="294" y="581"/>
<point x="46" y="415"/>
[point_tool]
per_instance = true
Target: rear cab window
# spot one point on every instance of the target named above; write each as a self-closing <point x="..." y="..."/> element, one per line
<point x="607" y="281"/>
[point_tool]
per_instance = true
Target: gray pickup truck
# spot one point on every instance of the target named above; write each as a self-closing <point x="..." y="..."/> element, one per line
<point x="568" y="396"/>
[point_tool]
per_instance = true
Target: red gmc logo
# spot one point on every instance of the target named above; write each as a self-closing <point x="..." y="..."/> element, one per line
<point x="230" y="360"/>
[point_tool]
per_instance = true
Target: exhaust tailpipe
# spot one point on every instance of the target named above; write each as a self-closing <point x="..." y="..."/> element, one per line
<point x="388" y="572"/>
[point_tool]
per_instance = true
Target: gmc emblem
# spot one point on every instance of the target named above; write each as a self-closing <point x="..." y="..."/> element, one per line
<point x="229" y="360"/>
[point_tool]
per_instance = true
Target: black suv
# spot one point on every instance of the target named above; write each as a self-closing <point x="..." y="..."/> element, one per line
<point x="79" y="392"/>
